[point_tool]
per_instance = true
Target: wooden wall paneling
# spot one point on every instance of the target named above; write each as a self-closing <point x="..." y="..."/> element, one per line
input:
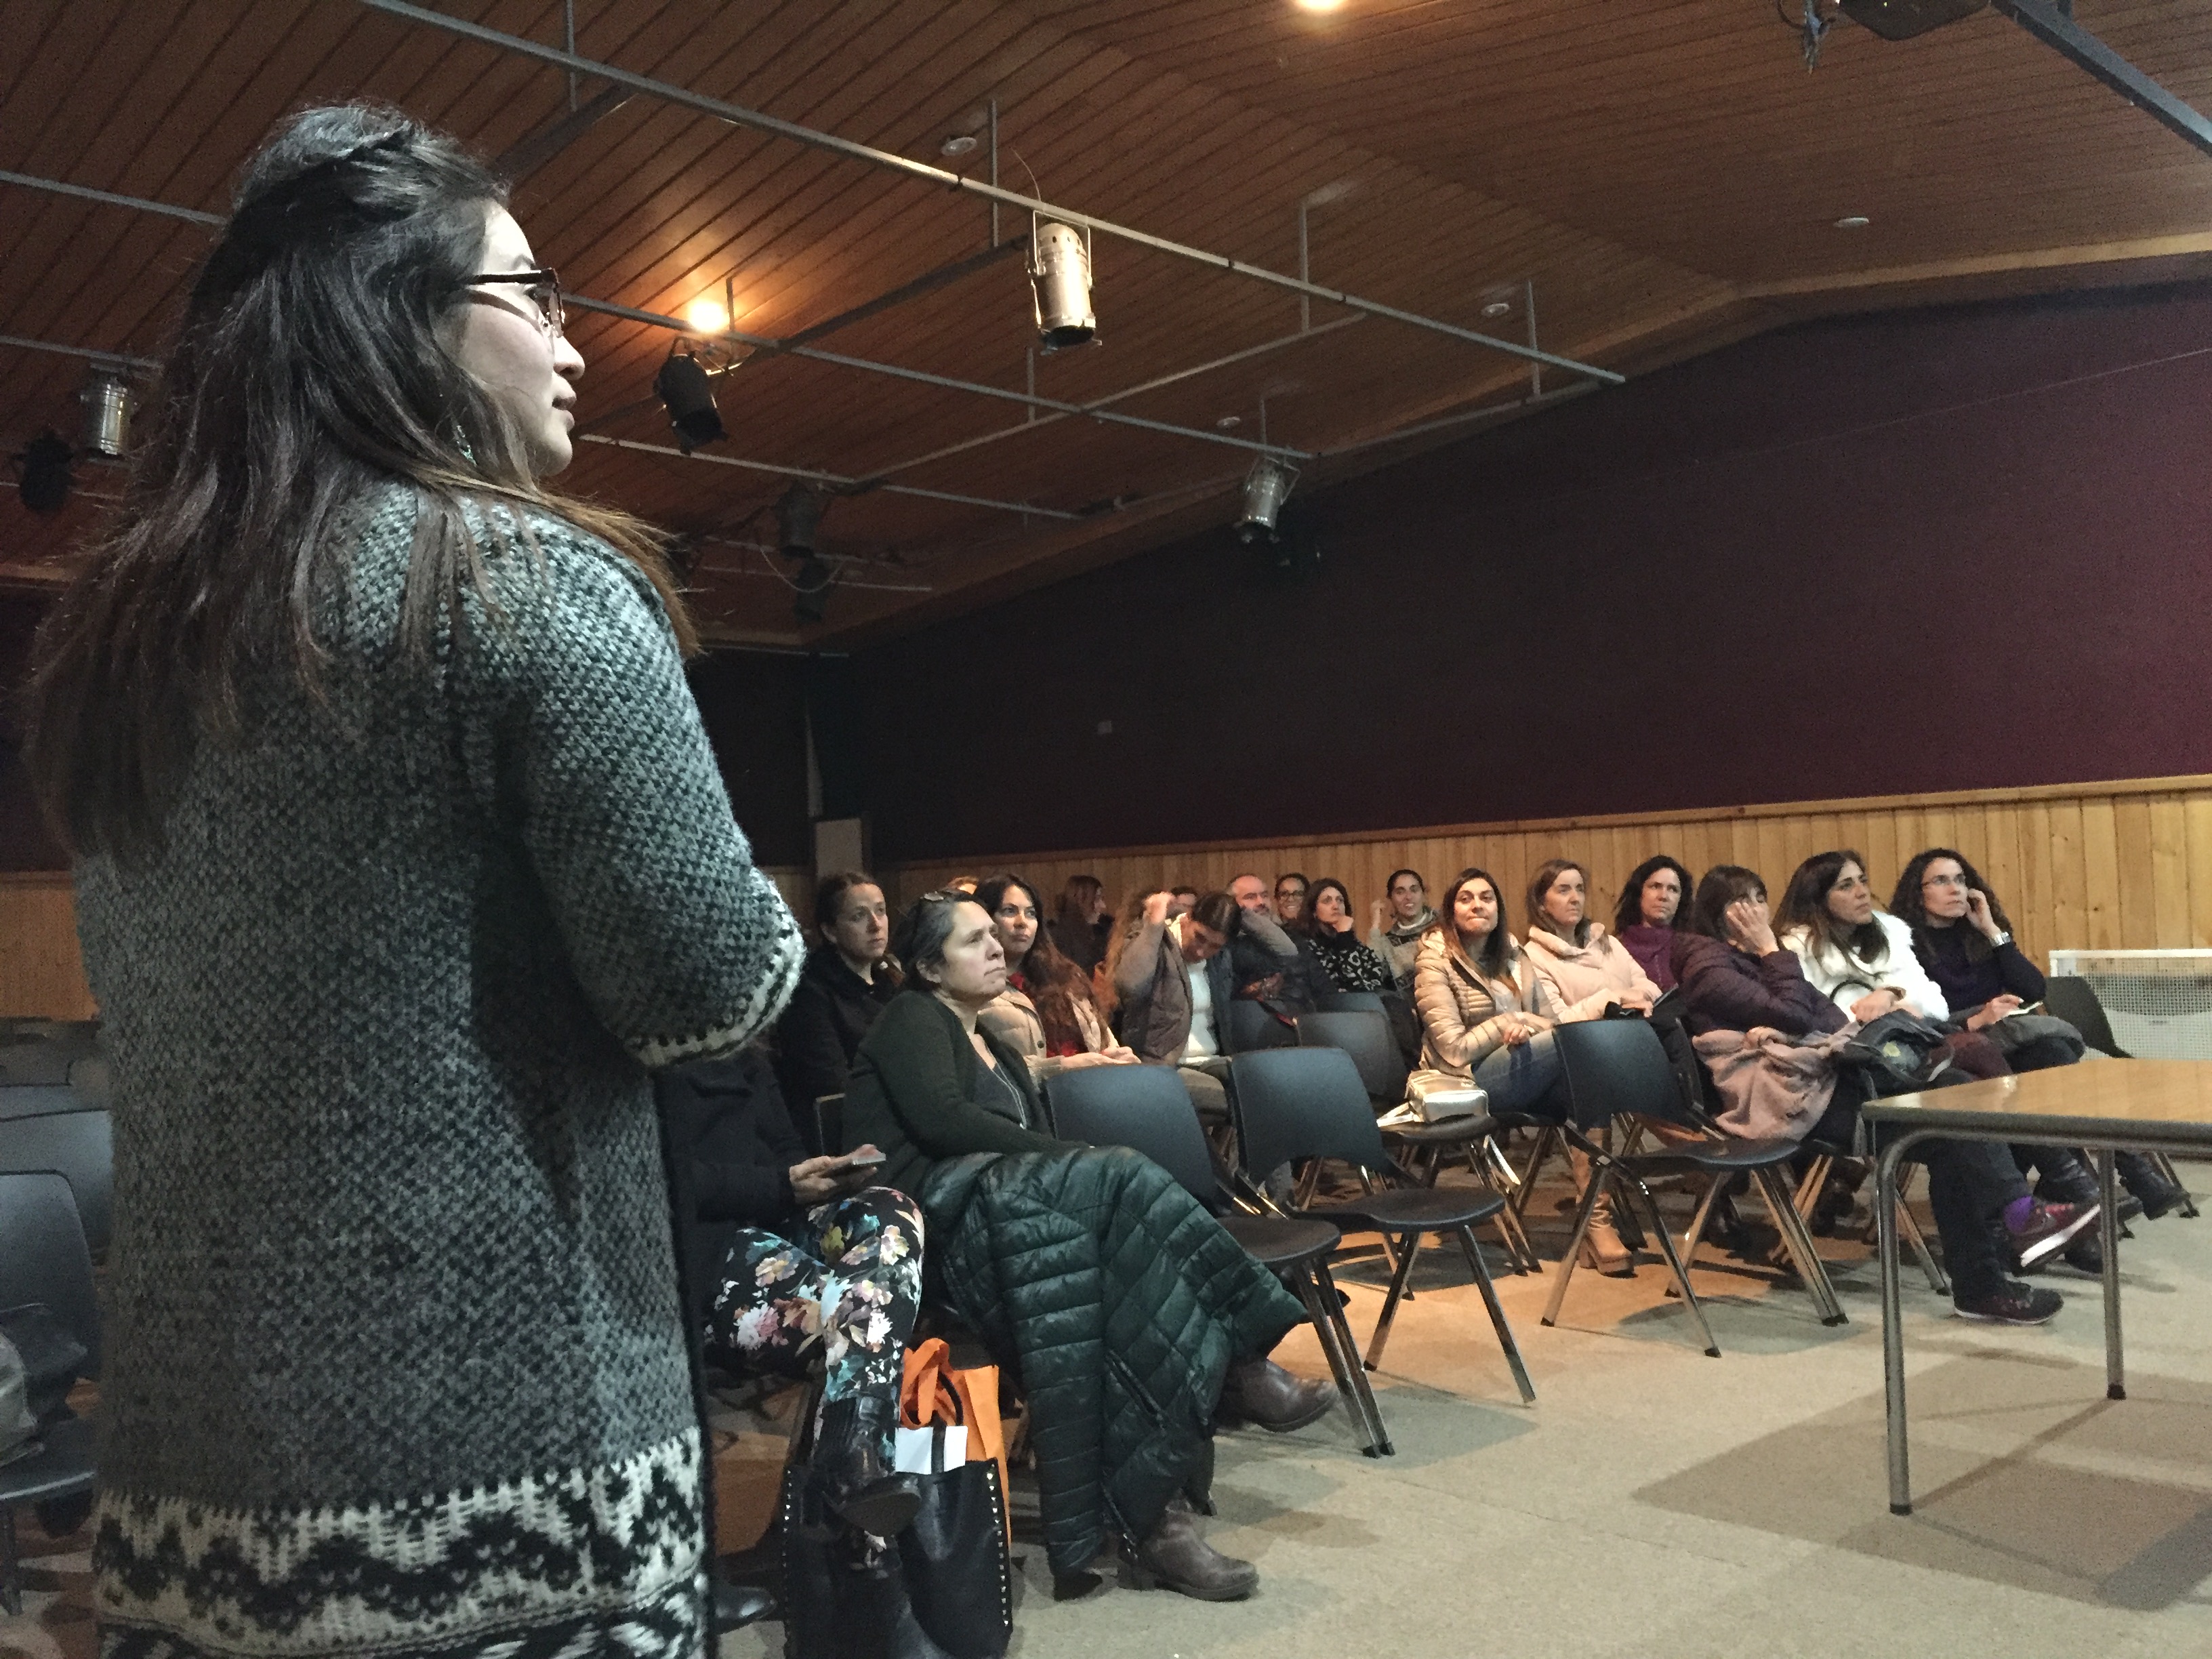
<point x="2034" y="903"/>
<point x="2135" y="872"/>
<point x="41" y="972"/>
<point x="2197" y="814"/>
<point x="2169" y="862"/>
<point x="2069" y="897"/>
<point x="2100" y="872"/>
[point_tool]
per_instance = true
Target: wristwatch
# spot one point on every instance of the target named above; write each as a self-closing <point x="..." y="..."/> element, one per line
<point x="2002" y="940"/>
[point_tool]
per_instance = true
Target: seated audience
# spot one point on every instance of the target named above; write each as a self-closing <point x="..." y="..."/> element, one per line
<point x="1963" y="938"/>
<point x="1056" y="1252"/>
<point x="1394" y="928"/>
<point x="1486" y="1017"/>
<point x="1170" y="983"/>
<point x="1258" y="968"/>
<point x="1182" y="901"/>
<point x="1046" y="1014"/>
<point x="1735" y="976"/>
<point x="1080" y="927"/>
<point x="1330" y="929"/>
<point x="847" y="981"/>
<point x="797" y="1266"/>
<point x="1655" y="892"/>
<point x="1585" y="970"/>
<point x="1290" y="898"/>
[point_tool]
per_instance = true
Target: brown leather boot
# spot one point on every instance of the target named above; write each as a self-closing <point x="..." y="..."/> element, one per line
<point x="1176" y="1557"/>
<point x="1260" y="1391"/>
<point x="1602" y="1246"/>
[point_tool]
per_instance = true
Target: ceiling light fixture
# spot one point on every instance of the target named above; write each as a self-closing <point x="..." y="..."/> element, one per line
<point x="810" y="590"/>
<point x="798" y="513"/>
<point x="1498" y="308"/>
<point x="707" y="316"/>
<point x="107" y="400"/>
<point x="1267" y="486"/>
<point x="44" y="468"/>
<point x="1320" y="5"/>
<point x="958" y="143"/>
<point x="1229" y="423"/>
<point x="689" y="396"/>
<point x="1853" y="222"/>
<point x="1059" y="285"/>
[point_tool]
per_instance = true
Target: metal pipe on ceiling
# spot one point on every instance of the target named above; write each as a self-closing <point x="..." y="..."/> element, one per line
<point x="835" y="480"/>
<point x="1033" y="422"/>
<point x="737" y="115"/>
<point x="924" y="378"/>
<point x="144" y="363"/>
<point x="109" y="197"/>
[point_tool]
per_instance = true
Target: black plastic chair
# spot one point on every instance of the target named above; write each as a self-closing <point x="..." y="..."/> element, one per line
<point x="1618" y="1067"/>
<point x="1364" y="1034"/>
<point x="1309" y="1103"/>
<point x="1145" y="1107"/>
<point x="1250" y="1027"/>
<point x="36" y="1052"/>
<point x="1351" y="1002"/>
<point x="2074" y="999"/>
<point x="43" y="1099"/>
<point x="43" y="1258"/>
<point x="77" y="1146"/>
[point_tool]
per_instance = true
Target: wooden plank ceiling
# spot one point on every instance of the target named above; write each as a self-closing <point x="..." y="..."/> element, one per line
<point x="1666" y="174"/>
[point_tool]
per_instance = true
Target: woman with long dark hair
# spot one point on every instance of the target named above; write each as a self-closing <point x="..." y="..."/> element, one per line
<point x="400" y="857"/>
<point x="850" y="975"/>
<point x="1851" y="952"/>
<point x="1330" y="929"/>
<point x="1047" y="1013"/>
<point x="1130" y="1313"/>
<point x="1654" y="898"/>
<point x="1080" y="925"/>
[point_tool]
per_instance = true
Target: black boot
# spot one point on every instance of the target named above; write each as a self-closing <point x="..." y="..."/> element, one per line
<point x="1176" y="1557"/>
<point x="859" y="1488"/>
<point x="2144" y="1178"/>
<point x="1260" y="1391"/>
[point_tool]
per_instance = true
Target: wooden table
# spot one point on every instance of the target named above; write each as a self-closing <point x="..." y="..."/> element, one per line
<point x="2150" y="1105"/>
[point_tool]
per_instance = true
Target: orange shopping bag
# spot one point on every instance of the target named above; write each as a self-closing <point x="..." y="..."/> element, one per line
<point x="934" y="1395"/>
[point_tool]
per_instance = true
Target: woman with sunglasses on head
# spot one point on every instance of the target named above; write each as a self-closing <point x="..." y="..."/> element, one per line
<point x="1060" y="1255"/>
<point x="401" y="860"/>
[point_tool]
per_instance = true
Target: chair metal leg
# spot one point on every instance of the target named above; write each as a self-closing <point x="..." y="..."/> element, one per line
<point x="1695" y="1234"/>
<point x="1409" y="1249"/>
<point x="1799" y="1242"/>
<point x="1510" y="1234"/>
<point x="1816" y="1179"/>
<point x="1389" y="1249"/>
<point x="11" y="1579"/>
<point x="1601" y="1178"/>
<point x="1547" y="1139"/>
<point x="1466" y="1236"/>
<point x="1316" y="1291"/>
<point x="1674" y="1266"/>
<point x="1333" y="1304"/>
<point x="2188" y="1211"/>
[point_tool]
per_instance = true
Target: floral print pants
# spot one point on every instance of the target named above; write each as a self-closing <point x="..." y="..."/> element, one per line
<point x="838" y="1295"/>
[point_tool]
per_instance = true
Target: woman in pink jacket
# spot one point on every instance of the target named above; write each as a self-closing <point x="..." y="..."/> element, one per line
<point x="1583" y="967"/>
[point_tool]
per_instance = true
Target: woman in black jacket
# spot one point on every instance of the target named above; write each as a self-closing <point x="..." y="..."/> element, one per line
<point x="847" y="981"/>
<point x="795" y="1265"/>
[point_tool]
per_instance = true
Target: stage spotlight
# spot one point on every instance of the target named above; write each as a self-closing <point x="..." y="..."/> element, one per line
<point x="797" y="515"/>
<point x="107" y="401"/>
<point x="1059" y="285"/>
<point x="688" y="395"/>
<point x="1267" y="486"/>
<point x="812" y="585"/>
<point x="707" y="316"/>
<point x="44" y="467"/>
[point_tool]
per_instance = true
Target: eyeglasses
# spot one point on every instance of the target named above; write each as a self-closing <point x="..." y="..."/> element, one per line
<point x="542" y="286"/>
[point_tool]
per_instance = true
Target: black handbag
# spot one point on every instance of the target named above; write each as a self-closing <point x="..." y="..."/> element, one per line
<point x="947" y="1576"/>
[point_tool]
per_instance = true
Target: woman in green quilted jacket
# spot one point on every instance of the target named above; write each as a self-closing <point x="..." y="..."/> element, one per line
<point x="1173" y="1320"/>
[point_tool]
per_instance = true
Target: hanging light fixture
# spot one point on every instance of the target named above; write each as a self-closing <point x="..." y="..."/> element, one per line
<point x="689" y="396"/>
<point x="44" y="472"/>
<point x="1267" y="486"/>
<point x="1059" y="285"/>
<point x="797" y="514"/>
<point x="810" y="589"/>
<point x="107" y="401"/>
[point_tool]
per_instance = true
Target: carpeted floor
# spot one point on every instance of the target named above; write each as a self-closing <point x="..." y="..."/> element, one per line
<point x="1657" y="1502"/>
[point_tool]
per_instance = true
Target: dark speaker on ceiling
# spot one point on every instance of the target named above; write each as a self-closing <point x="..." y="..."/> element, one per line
<point x="1900" y="19"/>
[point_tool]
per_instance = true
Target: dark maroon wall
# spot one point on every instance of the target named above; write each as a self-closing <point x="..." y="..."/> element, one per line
<point x="1938" y="549"/>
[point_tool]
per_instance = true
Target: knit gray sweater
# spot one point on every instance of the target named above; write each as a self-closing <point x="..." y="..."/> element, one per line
<point x="395" y="1359"/>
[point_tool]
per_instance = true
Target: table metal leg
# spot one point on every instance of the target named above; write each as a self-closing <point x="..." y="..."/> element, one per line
<point x="1892" y="1327"/>
<point x="2108" y="1180"/>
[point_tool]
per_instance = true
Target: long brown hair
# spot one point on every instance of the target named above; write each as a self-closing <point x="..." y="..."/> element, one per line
<point x="311" y="366"/>
<point x="1496" y="962"/>
<point x="1910" y="906"/>
<point x="1055" y="984"/>
<point x="1805" y="904"/>
<point x="1540" y="887"/>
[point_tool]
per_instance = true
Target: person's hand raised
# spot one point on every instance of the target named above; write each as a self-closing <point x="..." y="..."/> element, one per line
<point x="1977" y="913"/>
<point x="1377" y="913"/>
<point x="1749" y="927"/>
<point x="1156" y="909"/>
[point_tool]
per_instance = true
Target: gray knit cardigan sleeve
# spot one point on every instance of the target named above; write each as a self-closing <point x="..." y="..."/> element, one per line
<point x="579" y="732"/>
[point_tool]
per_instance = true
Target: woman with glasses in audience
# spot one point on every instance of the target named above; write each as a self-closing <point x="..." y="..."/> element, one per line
<point x="1050" y="1248"/>
<point x="850" y="975"/>
<point x="1330" y="929"/>
<point x="1291" y="898"/>
<point x="1656" y="892"/>
<point x="1047" y="1013"/>
<point x="401" y="861"/>
<point x="1583" y="968"/>
<point x="1963" y="939"/>
<point x="1737" y="977"/>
